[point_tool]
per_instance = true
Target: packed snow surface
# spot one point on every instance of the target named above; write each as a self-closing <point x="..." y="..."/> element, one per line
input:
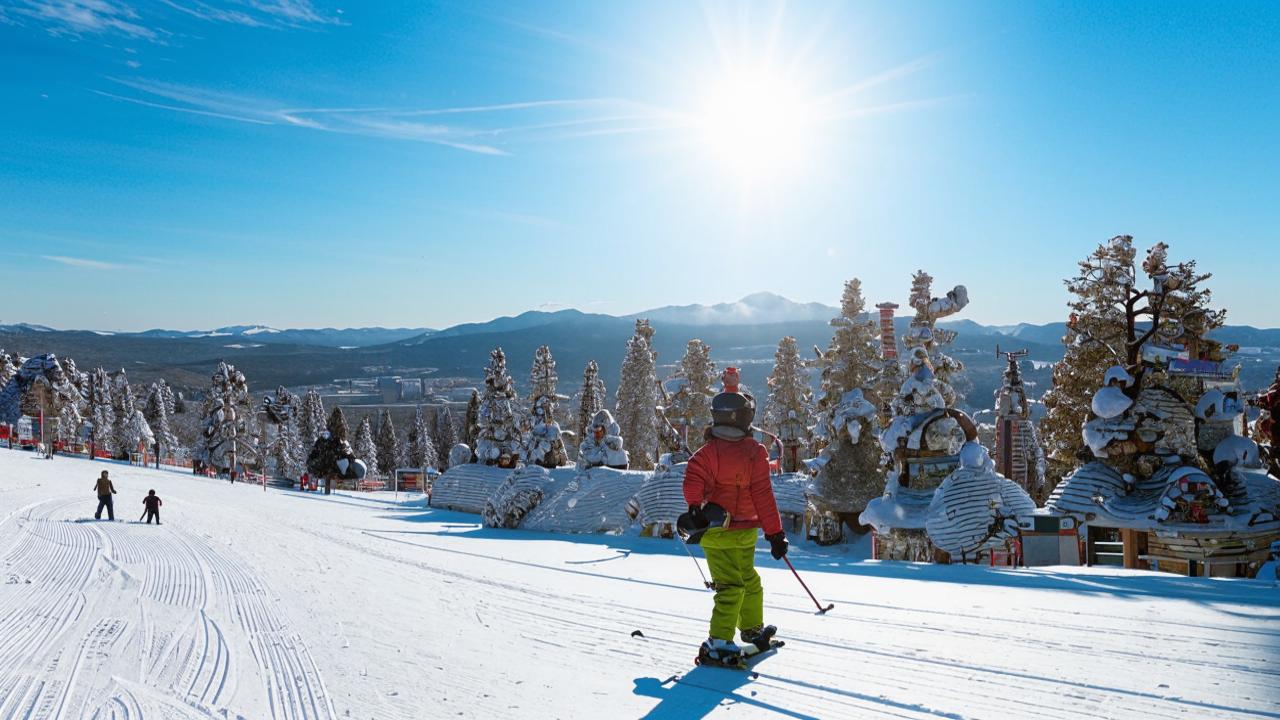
<point x="276" y="604"/>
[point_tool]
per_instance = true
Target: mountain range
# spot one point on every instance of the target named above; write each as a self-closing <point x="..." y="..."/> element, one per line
<point x="743" y="333"/>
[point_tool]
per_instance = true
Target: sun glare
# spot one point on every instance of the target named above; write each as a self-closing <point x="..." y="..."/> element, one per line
<point x="756" y="122"/>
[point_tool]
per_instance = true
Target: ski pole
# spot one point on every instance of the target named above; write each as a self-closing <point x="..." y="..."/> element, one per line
<point x="696" y="564"/>
<point x="821" y="610"/>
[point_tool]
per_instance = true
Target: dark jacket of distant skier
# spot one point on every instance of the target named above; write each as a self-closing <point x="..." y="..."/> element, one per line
<point x="732" y="471"/>
<point x="152" y="503"/>
<point x="105" y="490"/>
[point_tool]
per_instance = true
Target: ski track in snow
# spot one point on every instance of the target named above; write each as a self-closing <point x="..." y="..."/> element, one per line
<point x="231" y="609"/>
<point x="94" y="607"/>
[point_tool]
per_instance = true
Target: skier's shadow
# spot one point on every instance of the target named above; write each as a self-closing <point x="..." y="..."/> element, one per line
<point x="698" y="692"/>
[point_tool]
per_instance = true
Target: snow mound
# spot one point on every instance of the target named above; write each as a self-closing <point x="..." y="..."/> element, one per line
<point x="519" y="494"/>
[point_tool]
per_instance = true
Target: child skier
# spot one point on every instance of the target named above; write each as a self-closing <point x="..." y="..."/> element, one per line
<point x="152" y="504"/>
<point x="729" y="492"/>
<point x="105" y="490"/>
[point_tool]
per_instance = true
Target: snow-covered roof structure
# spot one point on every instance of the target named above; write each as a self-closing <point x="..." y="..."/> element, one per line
<point x="660" y="497"/>
<point x="976" y="510"/>
<point x="467" y="487"/>
<point x="591" y="501"/>
<point x="1177" y="498"/>
<point x="791" y="491"/>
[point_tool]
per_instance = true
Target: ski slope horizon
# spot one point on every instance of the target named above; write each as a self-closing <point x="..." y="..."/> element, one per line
<point x="277" y="604"/>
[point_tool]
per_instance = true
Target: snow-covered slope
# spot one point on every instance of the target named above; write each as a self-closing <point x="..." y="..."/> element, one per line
<point x="278" y="604"/>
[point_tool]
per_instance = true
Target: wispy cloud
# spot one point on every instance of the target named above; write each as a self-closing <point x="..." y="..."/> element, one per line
<point x="256" y="13"/>
<point x="85" y="262"/>
<point x="86" y="17"/>
<point x="479" y="129"/>
<point x="147" y="22"/>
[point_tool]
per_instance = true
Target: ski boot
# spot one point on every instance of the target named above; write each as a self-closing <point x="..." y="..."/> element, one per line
<point x="722" y="653"/>
<point x="761" y="636"/>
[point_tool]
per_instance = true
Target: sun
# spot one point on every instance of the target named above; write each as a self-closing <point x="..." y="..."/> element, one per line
<point x="757" y="122"/>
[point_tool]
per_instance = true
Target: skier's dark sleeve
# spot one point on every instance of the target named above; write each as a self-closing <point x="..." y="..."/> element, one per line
<point x="697" y="477"/>
<point x="762" y="492"/>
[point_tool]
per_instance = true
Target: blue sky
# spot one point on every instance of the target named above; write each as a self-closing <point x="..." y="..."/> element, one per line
<point x="193" y="163"/>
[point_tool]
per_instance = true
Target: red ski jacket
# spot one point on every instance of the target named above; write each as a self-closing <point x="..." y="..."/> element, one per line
<point x="734" y="474"/>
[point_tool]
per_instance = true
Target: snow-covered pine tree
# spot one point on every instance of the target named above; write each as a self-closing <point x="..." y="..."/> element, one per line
<point x="543" y="444"/>
<point x="179" y="404"/>
<point x="422" y="451"/>
<point x="637" y="398"/>
<point x="591" y="398"/>
<point x="690" y="406"/>
<point x="69" y="401"/>
<point x="364" y="446"/>
<point x="445" y="436"/>
<point x="123" y="434"/>
<point x="283" y="449"/>
<point x="310" y="419"/>
<point x="8" y="367"/>
<point x="156" y="412"/>
<point x="101" y="415"/>
<point x="850" y="474"/>
<point x="390" y="450"/>
<point x="337" y="426"/>
<point x="471" y="421"/>
<point x="498" y="440"/>
<point x="227" y="420"/>
<point x="790" y="403"/>
<point x="543" y="379"/>
<point x="1112" y="318"/>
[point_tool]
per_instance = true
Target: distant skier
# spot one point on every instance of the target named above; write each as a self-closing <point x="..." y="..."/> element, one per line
<point x="105" y="490"/>
<point x="729" y="493"/>
<point x="152" y="504"/>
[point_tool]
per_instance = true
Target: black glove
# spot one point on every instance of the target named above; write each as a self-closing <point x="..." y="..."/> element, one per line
<point x="777" y="545"/>
<point x="699" y="518"/>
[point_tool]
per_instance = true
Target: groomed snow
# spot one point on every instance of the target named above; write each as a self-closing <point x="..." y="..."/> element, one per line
<point x="278" y="604"/>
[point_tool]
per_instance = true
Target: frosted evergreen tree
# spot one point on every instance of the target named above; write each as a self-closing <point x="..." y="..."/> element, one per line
<point x="543" y="444"/>
<point x="311" y="421"/>
<point x="498" y="440"/>
<point x="390" y="450"/>
<point x="8" y="367"/>
<point x="337" y="426"/>
<point x="364" y="446"/>
<point x="41" y="387"/>
<point x="852" y="359"/>
<point x="690" y="406"/>
<point x="849" y="473"/>
<point x="543" y="379"/>
<point x="790" y="403"/>
<point x="156" y="411"/>
<point x="637" y="397"/>
<point x="445" y="435"/>
<point x="591" y="398"/>
<point x="923" y="333"/>
<point x="70" y="401"/>
<point x="283" y="448"/>
<point x="1112" y="318"/>
<point x="179" y="404"/>
<point x="422" y="451"/>
<point x="124" y="435"/>
<point x="471" y="421"/>
<point x="100" y="411"/>
<point x="227" y="420"/>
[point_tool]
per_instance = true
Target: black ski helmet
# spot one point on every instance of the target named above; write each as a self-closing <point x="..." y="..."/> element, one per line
<point x="733" y="409"/>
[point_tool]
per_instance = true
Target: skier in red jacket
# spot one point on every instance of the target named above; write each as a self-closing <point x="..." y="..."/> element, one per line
<point x="729" y="492"/>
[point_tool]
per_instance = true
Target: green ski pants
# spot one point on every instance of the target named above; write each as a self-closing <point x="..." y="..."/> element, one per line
<point x="739" y="599"/>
